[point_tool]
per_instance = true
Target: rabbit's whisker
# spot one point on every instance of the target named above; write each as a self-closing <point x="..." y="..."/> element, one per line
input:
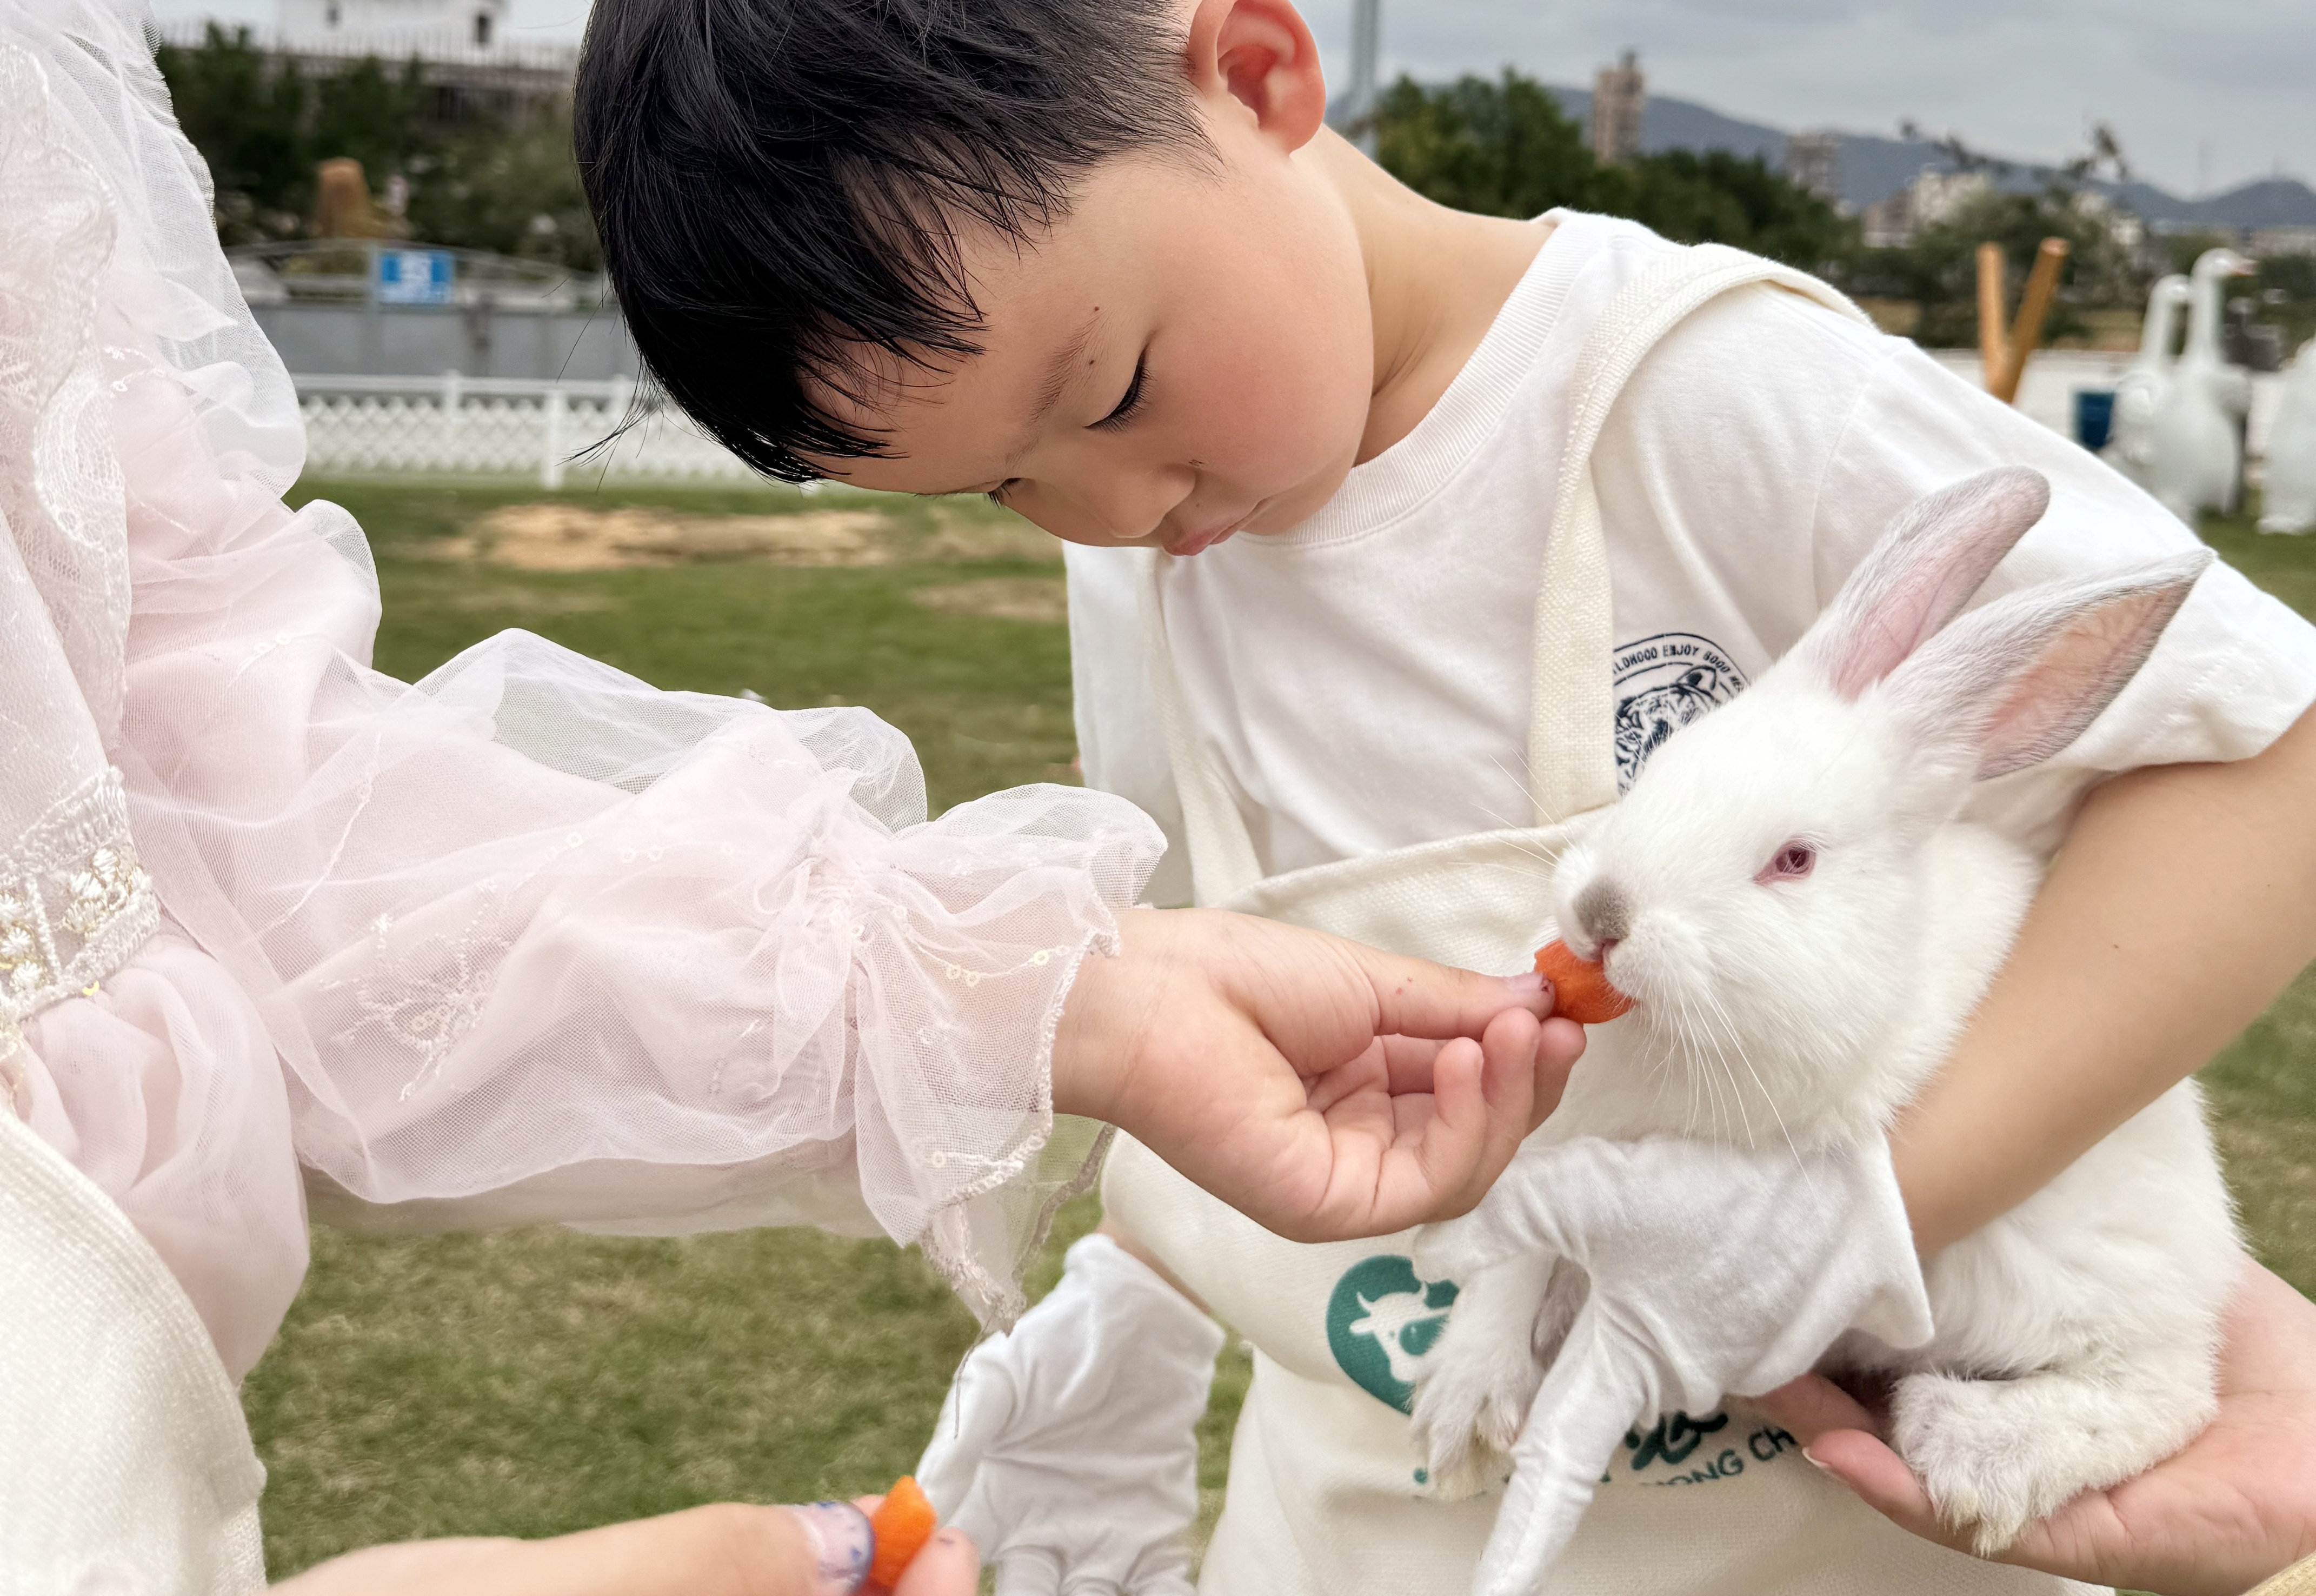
<point x="1537" y="854"/>
<point x="1729" y="1027"/>
<point x="1516" y="781"/>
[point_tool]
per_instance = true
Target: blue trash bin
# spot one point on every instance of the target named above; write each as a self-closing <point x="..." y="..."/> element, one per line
<point x="2094" y="417"/>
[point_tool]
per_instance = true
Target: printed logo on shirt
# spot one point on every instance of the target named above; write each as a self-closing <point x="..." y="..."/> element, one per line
<point x="1662" y="683"/>
<point x="1383" y="1322"/>
<point x="1680" y="1450"/>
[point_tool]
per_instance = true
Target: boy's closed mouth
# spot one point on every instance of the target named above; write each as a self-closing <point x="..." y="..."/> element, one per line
<point x="1184" y="544"/>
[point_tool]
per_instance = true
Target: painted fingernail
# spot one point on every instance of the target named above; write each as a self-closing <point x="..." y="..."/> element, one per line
<point x="841" y="1543"/>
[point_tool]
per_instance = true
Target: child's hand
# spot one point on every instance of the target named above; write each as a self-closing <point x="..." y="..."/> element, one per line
<point x="2238" y="1504"/>
<point x="724" y="1550"/>
<point x="1322" y="1088"/>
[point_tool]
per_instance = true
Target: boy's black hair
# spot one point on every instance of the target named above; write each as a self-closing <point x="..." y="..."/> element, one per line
<point x="779" y="184"/>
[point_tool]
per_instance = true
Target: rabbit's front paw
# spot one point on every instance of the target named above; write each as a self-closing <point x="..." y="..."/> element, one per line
<point x="1473" y="1392"/>
<point x="1997" y="1454"/>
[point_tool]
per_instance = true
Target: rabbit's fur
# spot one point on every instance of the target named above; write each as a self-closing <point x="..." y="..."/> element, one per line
<point x="1779" y="1001"/>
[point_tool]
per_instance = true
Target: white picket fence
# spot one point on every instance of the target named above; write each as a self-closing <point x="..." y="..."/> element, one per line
<point x="466" y="426"/>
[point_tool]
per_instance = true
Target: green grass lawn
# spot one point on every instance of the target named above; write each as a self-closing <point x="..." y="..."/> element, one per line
<point x="533" y="1381"/>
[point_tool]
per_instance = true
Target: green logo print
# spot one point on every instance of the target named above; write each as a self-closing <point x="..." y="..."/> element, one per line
<point x="1381" y="1322"/>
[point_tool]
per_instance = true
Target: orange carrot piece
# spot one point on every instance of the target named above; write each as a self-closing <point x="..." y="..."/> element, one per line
<point x="903" y="1523"/>
<point x="1580" y="987"/>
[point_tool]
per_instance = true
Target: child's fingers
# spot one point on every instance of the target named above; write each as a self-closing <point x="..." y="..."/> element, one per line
<point x="1559" y="1044"/>
<point x="1415" y="997"/>
<point x="1448" y="1164"/>
<point x="1511" y="1079"/>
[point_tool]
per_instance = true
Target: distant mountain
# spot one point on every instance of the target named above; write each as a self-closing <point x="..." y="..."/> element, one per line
<point x="1873" y="168"/>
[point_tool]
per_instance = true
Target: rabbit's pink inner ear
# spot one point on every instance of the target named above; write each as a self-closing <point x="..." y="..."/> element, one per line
<point x="1921" y="573"/>
<point x="1905" y="614"/>
<point x="2075" y="673"/>
<point x="1924" y="570"/>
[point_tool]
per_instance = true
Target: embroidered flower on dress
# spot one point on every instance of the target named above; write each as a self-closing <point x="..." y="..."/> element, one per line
<point x="74" y="902"/>
<point x="428" y="995"/>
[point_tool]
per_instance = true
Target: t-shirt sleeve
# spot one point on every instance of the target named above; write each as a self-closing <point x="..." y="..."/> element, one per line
<point x="1765" y="443"/>
<point x="2235" y="668"/>
<point x="1711" y="463"/>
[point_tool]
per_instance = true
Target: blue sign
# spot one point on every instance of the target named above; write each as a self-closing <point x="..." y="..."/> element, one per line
<point x="415" y="276"/>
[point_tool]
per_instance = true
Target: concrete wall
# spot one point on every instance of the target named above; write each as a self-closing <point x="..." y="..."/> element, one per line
<point x="428" y="340"/>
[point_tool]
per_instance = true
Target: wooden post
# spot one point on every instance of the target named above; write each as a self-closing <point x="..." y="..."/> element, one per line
<point x="2034" y="306"/>
<point x="1992" y="352"/>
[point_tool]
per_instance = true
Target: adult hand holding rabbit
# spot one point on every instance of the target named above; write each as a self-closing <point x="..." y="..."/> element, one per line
<point x="2237" y="1505"/>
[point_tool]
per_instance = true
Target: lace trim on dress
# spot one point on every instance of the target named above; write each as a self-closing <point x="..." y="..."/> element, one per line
<point x="74" y="903"/>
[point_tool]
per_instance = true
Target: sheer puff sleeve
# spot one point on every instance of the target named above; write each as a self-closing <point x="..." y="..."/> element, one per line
<point x="526" y="940"/>
<point x="537" y="941"/>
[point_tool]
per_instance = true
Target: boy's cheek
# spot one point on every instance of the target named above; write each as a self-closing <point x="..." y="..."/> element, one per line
<point x="1288" y="424"/>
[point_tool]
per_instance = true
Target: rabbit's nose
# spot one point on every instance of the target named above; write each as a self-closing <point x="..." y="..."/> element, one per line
<point x="1603" y="913"/>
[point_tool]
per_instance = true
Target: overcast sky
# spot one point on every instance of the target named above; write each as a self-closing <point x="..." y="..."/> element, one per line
<point x="2203" y="96"/>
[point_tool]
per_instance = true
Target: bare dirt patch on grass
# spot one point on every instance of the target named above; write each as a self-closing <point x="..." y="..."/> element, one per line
<point x="552" y="537"/>
<point x="959" y="539"/>
<point x="999" y="597"/>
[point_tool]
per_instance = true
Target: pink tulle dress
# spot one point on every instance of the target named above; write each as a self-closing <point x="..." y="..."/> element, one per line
<point x="528" y="940"/>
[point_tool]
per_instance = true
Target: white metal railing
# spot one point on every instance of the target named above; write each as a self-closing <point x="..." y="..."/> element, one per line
<point x="482" y="426"/>
<point x="435" y="47"/>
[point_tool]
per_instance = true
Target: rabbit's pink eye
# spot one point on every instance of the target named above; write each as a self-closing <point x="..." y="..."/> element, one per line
<point x="1789" y="863"/>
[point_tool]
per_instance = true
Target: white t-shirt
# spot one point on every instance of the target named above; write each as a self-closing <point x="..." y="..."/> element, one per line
<point x="1361" y="681"/>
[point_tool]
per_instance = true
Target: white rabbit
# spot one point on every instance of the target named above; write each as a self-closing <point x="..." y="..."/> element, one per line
<point x="1804" y="923"/>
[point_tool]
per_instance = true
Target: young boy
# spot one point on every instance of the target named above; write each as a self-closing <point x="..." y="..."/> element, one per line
<point x="1102" y="262"/>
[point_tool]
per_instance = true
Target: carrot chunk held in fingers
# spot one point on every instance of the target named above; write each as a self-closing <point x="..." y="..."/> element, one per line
<point x="1580" y="987"/>
<point x="903" y="1523"/>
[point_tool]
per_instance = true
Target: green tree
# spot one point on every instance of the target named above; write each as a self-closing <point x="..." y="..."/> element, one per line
<point x="501" y="183"/>
<point x="1938" y="270"/>
<point x="1504" y="147"/>
<point x="513" y="187"/>
<point x="1720" y="198"/>
<point x="250" y="122"/>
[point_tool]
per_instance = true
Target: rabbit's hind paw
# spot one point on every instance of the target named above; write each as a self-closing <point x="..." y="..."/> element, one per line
<point x="1995" y="1456"/>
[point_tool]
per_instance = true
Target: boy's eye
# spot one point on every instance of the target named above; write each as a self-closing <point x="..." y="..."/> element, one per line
<point x="1123" y="411"/>
<point x="1791" y="863"/>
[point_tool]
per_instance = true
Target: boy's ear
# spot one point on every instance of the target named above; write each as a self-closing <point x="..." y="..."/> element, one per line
<point x="1260" y="55"/>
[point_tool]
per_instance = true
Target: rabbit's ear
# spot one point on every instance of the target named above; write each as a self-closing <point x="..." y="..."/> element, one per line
<point x="2014" y="684"/>
<point x="1920" y="574"/>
